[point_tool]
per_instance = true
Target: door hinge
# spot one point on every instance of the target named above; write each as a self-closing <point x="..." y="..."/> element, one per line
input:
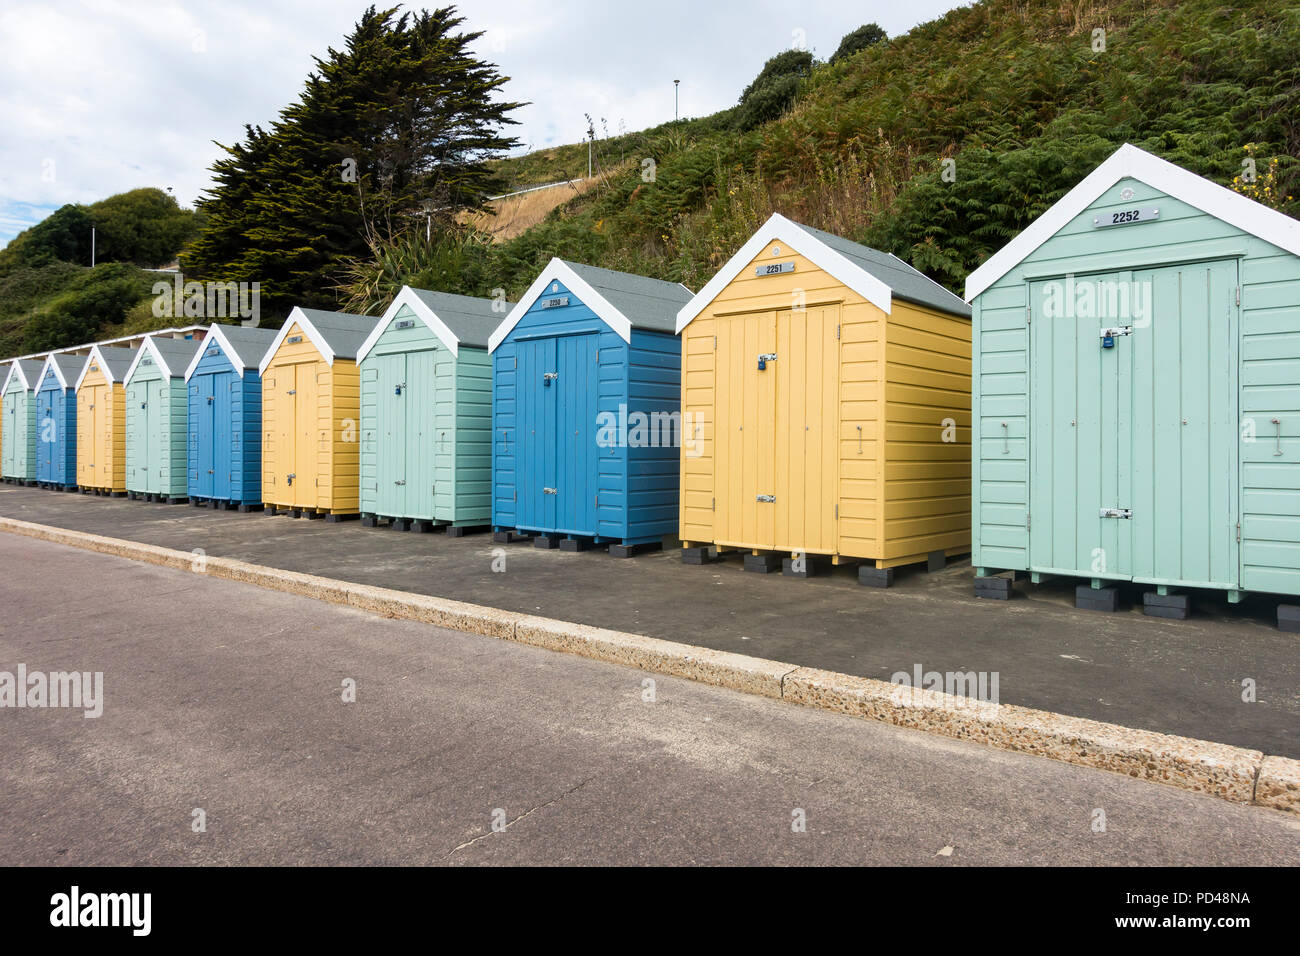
<point x="1238" y="532"/>
<point x="714" y="505"/>
<point x="1029" y="315"/>
<point x="715" y="343"/>
<point x="1028" y="526"/>
<point x="1238" y="295"/>
<point x="765" y="498"/>
<point x="837" y="512"/>
<point x="1116" y="512"/>
<point x="837" y="331"/>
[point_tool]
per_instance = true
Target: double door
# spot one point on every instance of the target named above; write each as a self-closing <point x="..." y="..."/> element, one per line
<point x="1134" y="426"/>
<point x="409" y="446"/>
<point x="211" y="435"/>
<point x="558" y="459"/>
<point x="776" y="470"/>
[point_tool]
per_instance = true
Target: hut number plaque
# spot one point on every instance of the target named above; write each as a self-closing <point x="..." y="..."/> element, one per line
<point x="558" y="302"/>
<point x="774" y="269"/>
<point x="1126" y="216"/>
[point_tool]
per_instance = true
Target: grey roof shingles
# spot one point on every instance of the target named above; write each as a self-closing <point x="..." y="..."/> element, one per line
<point x="344" y="333"/>
<point x="470" y="319"/>
<point x="904" y="281"/>
<point x="249" y="344"/>
<point x="118" y="360"/>
<point x="177" y="353"/>
<point x="70" y="366"/>
<point x="650" y="304"/>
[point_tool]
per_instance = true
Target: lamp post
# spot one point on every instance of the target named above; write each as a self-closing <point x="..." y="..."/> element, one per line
<point x="677" y="84"/>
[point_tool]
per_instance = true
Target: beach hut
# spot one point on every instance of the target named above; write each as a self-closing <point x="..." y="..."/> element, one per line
<point x="426" y="412"/>
<point x="156" y="420"/>
<point x="56" y="422"/>
<point x="586" y="397"/>
<point x="826" y="395"/>
<point x="1137" y="380"/>
<point x="311" y="410"/>
<point x="101" y="421"/>
<point x="19" y="432"/>
<point x="224" y="392"/>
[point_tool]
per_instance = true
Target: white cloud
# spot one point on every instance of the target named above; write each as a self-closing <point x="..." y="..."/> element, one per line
<point x="100" y="96"/>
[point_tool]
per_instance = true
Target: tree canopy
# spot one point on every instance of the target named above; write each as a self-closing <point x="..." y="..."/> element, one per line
<point x="397" y="126"/>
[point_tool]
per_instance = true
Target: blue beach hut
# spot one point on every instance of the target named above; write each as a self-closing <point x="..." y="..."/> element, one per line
<point x="56" y="422"/>
<point x="224" y="394"/>
<point x="586" y="400"/>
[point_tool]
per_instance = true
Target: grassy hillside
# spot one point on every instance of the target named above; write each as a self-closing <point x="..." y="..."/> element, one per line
<point x="1012" y="91"/>
<point x="50" y="296"/>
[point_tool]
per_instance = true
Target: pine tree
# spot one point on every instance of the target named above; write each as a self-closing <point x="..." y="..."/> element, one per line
<point x="400" y="124"/>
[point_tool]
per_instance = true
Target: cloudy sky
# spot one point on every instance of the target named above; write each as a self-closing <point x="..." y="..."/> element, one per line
<point x="101" y="96"/>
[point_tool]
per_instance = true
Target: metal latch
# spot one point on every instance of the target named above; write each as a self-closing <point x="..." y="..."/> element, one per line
<point x="291" y="478"/>
<point x="764" y="359"/>
<point x="400" y="481"/>
<point x="547" y="377"/>
<point x="292" y="391"/>
<point x="1108" y="335"/>
<point x="767" y="498"/>
<point x="1117" y="512"/>
<point x="397" y="389"/>
<point x="550" y="491"/>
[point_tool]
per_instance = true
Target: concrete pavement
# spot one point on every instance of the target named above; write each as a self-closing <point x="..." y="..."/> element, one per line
<point x="228" y="698"/>
<point x="1178" y="677"/>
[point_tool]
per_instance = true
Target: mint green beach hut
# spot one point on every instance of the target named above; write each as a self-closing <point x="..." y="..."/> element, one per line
<point x="157" y="420"/>
<point x="1136" y="394"/>
<point x="18" y="432"/>
<point x="426" y="412"/>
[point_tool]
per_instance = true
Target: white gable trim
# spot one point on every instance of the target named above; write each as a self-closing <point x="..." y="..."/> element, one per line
<point x="91" y="357"/>
<point x="309" y="330"/>
<point x="1130" y="162"/>
<point x="810" y="247"/>
<point x="13" y="367"/>
<point x="58" y="372"/>
<point x="232" y="354"/>
<point x="408" y="298"/>
<point x="149" y="346"/>
<point x="558" y="271"/>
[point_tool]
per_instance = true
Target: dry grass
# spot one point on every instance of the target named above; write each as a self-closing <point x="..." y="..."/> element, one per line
<point x="517" y="214"/>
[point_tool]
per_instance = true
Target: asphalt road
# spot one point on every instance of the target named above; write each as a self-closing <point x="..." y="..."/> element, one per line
<point x="226" y="698"/>
<point x="1179" y="677"/>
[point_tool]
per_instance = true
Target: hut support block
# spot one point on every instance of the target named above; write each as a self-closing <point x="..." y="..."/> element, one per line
<point x="936" y="561"/>
<point x="1288" y="618"/>
<point x="574" y="544"/>
<point x="335" y="519"/>
<point x="699" y="555"/>
<point x="632" y="550"/>
<point x="1176" y="607"/>
<point x="546" y="542"/>
<point x="994" y="588"/>
<point x="808" y="567"/>
<point x="875" y="577"/>
<point x="1087" y="598"/>
<point x="762" y="563"/>
<point x="511" y="537"/>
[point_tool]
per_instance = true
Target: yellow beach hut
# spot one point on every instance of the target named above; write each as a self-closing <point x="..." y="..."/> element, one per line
<point x="826" y="408"/>
<point x="311" y="413"/>
<point x="101" y="421"/>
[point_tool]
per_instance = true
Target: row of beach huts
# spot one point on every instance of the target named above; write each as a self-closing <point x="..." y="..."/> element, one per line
<point x="1119" y="402"/>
